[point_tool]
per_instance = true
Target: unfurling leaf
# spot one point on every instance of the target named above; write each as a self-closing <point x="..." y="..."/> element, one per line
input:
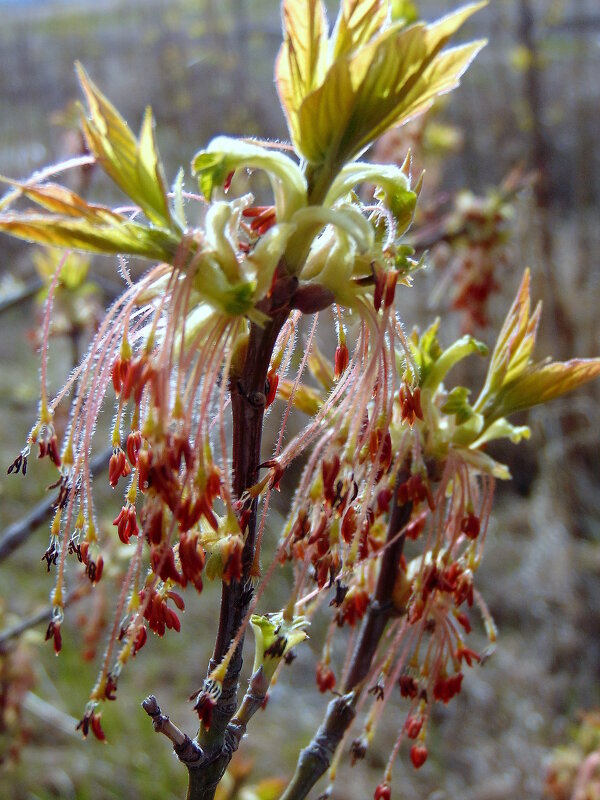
<point x="357" y="23"/>
<point x="134" y="165"/>
<point x="301" y="62"/>
<point x="543" y="382"/>
<point x="385" y="82"/>
<point x="94" y="236"/>
<point x="515" y="381"/>
<point x="75" y="223"/>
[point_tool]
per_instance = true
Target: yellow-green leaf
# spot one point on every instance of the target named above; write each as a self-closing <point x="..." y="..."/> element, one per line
<point x="391" y="79"/>
<point x="62" y="201"/>
<point x="301" y="62"/>
<point x="133" y="165"/>
<point x="514" y="345"/>
<point x="357" y="23"/>
<point x="541" y="384"/>
<point x="93" y="236"/>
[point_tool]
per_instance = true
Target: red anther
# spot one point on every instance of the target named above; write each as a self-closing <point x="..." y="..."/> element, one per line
<point x="464" y="590"/>
<point x="133" y="376"/>
<point x="244" y="519"/>
<point x="228" y="179"/>
<point x="414" y="529"/>
<point x="390" y="288"/>
<point x="464" y="621"/>
<point x="468" y="655"/>
<point x="410" y="404"/>
<point x="471" y="526"/>
<point x="119" y="373"/>
<point x="330" y="470"/>
<point x="84" y="548"/>
<point x="144" y="465"/>
<point x="276" y="472"/>
<point x="117" y="466"/>
<point x="272" y="383"/>
<point x="354" y="607"/>
<point x="382" y="792"/>
<point x="134" y="442"/>
<point x="413" y="726"/>
<point x="349" y="525"/>
<point x="408" y="686"/>
<point x="53" y="453"/>
<point x="151" y="517"/>
<point x="110" y="687"/>
<point x="255" y="211"/>
<point x="205" y="705"/>
<point x="97" y="727"/>
<point x="383" y="500"/>
<point x="53" y="632"/>
<point x="379" y="289"/>
<point x="342" y="358"/>
<point x="263" y="218"/>
<point x="191" y="556"/>
<point x="140" y="639"/>
<point x="418" y="755"/>
<point x="213" y="484"/>
<point x="317" y="535"/>
<point x="126" y="522"/>
<point x="97" y="573"/>
<point x="323" y="570"/>
<point x="177" y="599"/>
<point x="232" y="559"/>
<point x="325" y="677"/>
<point x="162" y="560"/>
<point x="445" y="689"/>
<point x="178" y="448"/>
<point x="172" y="620"/>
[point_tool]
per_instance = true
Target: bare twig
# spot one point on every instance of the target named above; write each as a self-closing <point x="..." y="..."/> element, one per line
<point x="18" y="533"/>
<point x="186" y="749"/>
<point x="42" y="615"/>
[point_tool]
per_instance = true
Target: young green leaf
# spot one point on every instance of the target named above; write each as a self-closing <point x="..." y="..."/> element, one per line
<point x="357" y="23"/>
<point x="77" y="224"/>
<point x="514" y="380"/>
<point x="386" y="82"/>
<point x="302" y="59"/>
<point x="100" y="235"/>
<point x="133" y="165"/>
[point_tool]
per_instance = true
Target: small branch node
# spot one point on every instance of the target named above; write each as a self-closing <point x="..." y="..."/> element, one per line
<point x="186" y="749"/>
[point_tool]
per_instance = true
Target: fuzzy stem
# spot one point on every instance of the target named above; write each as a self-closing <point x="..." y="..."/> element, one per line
<point x="316" y="757"/>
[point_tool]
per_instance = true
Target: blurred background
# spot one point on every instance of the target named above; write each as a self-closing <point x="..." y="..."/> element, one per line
<point x="512" y="180"/>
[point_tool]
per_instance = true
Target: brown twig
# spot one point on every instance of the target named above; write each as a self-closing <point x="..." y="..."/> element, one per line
<point x="43" y="615"/>
<point x="248" y="406"/>
<point x="186" y="749"/>
<point x="18" y="533"/>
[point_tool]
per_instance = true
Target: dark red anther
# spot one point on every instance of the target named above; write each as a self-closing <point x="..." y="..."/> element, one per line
<point x="325" y="677"/>
<point x="342" y="358"/>
<point x="418" y="755"/>
<point x="272" y="383"/>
